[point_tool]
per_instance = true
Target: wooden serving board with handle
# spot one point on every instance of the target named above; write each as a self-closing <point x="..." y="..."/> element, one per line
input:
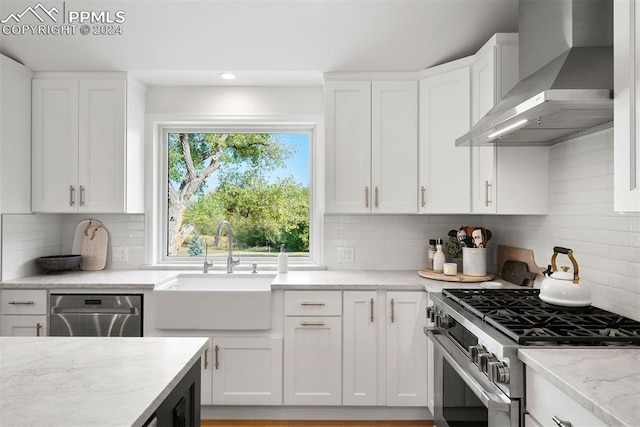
<point x="517" y="265"/>
<point x="94" y="249"/>
<point x="459" y="277"/>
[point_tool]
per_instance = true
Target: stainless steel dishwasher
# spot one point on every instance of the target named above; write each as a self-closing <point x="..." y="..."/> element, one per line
<point x="95" y="315"/>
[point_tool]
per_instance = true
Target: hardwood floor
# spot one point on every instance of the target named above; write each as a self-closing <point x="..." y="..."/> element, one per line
<point x="279" y="423"/>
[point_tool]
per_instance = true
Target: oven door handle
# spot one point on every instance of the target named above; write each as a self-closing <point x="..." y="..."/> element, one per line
<point x="490" y="400"/>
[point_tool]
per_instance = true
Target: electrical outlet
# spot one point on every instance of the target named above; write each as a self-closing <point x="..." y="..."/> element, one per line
<point x="345" y="254"/>
<point x="120" y="253"/>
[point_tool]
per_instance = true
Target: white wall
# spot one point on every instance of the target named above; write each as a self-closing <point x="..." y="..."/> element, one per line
<point x="235" y="101"/>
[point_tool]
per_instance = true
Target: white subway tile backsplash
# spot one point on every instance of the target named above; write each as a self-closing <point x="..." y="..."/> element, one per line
<point x="27" y="237"/>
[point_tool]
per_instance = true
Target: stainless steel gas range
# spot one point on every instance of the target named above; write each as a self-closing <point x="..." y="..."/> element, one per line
<point x="476" y="333"/>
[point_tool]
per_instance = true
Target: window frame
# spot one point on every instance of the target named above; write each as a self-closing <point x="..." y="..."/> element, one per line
<point x="157" y="221"/>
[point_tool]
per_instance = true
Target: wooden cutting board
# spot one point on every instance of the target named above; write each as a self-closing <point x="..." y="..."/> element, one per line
<point x="94" y="249"/>
<point x="79" y="234"/>
<point x="516" y="271"/>
<point x="459" y="277"/>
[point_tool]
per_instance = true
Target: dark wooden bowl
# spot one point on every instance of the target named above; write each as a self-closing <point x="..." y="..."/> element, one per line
<point x="59" y="262"/>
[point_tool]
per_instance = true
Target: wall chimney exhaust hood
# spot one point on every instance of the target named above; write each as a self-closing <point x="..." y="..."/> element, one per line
<point x="566" y="77"/>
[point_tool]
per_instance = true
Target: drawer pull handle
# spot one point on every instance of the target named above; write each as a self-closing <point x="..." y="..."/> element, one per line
<point x="561" y="423"/>
<point x="217" y="362"/>
<point x="376" y="198"/>
<point x="22" y="302"/>
<point x="486" y="193"/>
<point x="423" y="201"/>
<point x="371" y="309"/>
<point x="206" y="358"/>
<point x="393" y="311"/>
<point x="317" y="304"/>
<point x="38" y="329"/>
<point x="72" y="195"/>
<point x="311" y="323"/>
<point x="366" y="197"/>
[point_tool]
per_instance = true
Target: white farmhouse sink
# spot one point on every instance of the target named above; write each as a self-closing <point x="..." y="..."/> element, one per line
<point x="214" y="301"/>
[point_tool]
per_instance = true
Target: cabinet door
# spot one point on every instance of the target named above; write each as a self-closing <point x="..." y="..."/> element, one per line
<point x="360" y="353"/>
<point x="55" y="145"/>
<point x="483" y="159"/>
<point x="406" y="349"/>
<point x="247" y="371"/>
<point x="443" y="167"/>
<point x="626" y="148"/>
<point x="348" y="155"/>
<point x="15" y="137"/>
<point x="206" y="369"/>
<point x="23" y="326"/>
<point x="312" y="361"/>
<point x="101" y="167"/>
<point x="394" y="146"/>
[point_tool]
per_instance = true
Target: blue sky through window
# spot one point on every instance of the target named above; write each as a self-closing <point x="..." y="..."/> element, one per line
<point x="297" y="166"/>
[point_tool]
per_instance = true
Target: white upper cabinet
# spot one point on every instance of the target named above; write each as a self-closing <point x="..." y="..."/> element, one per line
<point x="444" y="177"/>
<point x="504" y="180"/>
<point x="626" y="149"/>
<point x="371" y="146"/>
<point x="81" y="156"/>
<point x="15" y="137"/>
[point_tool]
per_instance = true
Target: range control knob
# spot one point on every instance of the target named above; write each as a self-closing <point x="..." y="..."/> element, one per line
<point x="446" y="321"/>
<point x="474" y="351"/>
<point x="499" y="372"/>
<point x="432" y="313"/>
<point x="484" y="360"/>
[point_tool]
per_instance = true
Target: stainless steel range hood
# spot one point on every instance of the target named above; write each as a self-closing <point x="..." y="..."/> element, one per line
<point x="566" y="77"/>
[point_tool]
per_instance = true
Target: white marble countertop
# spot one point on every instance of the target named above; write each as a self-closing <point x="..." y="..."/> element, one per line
<point x="57" y="381"/>
<point x="300" y="279"/>
<point x="606" y="381"/>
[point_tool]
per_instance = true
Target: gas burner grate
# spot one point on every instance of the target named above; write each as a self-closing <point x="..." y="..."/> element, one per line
<point x="521" y="315"/>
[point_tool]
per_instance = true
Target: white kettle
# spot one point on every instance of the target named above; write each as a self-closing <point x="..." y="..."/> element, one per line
<point x="562" y="287"/>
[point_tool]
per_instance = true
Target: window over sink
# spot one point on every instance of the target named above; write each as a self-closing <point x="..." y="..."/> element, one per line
<point x="257" y="178"/>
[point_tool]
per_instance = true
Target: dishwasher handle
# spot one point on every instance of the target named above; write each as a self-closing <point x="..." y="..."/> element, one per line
<point x="94" y="310"/>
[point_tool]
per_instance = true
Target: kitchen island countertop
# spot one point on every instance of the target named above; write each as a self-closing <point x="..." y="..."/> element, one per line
<point x="77" y="381"/>
<point x="606" y="381"/>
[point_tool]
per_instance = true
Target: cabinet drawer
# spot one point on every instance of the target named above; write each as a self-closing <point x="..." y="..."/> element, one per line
<point x="313" y="303"/>
<point x="545" y="400"/>
<point x="19" y="301"/>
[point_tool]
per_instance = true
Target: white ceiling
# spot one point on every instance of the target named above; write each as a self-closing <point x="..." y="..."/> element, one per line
<point x="265" y="42"/>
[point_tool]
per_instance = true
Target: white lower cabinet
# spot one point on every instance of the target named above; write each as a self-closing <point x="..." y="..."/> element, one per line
<point x="546" y="401"/>
<point x="23" y="326"/>
<point x="385" y="349"/>
<point x="312" y="360"/>
<point x="406" y="349"/>
<point x="247" y="371"/>
<point x="24" y="313"/>
<point x="361" y="337"/>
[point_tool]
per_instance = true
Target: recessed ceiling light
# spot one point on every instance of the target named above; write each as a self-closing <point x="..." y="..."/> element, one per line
<point x="228" y="76"/>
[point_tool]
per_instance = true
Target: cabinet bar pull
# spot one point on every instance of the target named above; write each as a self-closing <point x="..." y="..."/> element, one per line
<point x="423" y="202"/>
<point x="38" y="329"/>
<point x="206" y="358"/>
<point x="366" y="197"/>
<point x="371" y="304"/>
<point x="376" y="197"/>
<point x="22" y="302"/>
<point x="217" y="362"/>
<point x="72" y="195"/>
<point x="561" y="423"/>
<point x="311" y="323"/>
<point x="318" y="304"/>
<point x="393" y="311"/>
<point x="82" y="195"/>
<point x="486" y="193"/>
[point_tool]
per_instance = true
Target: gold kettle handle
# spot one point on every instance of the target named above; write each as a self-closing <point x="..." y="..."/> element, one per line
<point x="560" y="250"/>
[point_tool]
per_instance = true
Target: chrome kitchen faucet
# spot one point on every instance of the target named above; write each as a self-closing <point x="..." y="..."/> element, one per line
<point x="230" y="261"/>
